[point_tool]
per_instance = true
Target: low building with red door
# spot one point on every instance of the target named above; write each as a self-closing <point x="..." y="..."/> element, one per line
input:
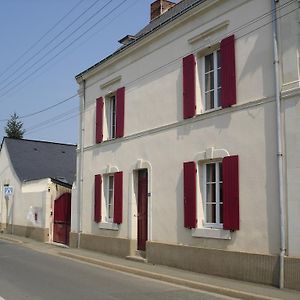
<point x="189" y="142"/>
<point x="36" y="180"/>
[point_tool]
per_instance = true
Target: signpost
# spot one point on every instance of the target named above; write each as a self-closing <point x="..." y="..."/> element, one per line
<point x="8" y="190"/>
<point x="8" y="194"/>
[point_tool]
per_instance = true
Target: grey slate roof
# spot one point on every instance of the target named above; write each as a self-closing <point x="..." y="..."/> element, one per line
<point x="173" y="13"/>
<point x="38" y="159"/>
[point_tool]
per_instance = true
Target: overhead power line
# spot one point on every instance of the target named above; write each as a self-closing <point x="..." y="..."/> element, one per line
<point x="36" y="127"/>
<point x="40" y="39"/>
<point x="61" y="51"/>
<point x="50" y="42"/>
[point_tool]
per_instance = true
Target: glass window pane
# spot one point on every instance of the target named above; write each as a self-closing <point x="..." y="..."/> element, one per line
<point x="211" y="193"/>
<point x="209" y="100"/>
<point x="209" y="62"/>
<point x="111" y="182"/>
<point x="219" y="98"/>
<point x="110" y="211"/>
<point x="221" y="213"/>
<point x="211" y="213"/>
<point x="220" y="171"/>
<point x="209" y="81"/>
<point x="219" y="78"/>
<point x="210" y="173"/>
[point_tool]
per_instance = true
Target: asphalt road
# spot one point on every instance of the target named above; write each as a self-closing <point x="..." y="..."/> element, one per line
<point x="28" y="274"/>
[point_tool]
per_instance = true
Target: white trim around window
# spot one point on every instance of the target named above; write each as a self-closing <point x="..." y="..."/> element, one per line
<point x="109" y="226"/>
<point x="110" y="115"/>
<point x="212" y="194"/>
<point x="108" y="203"/>
<point x="210" y="80"/>
<point x="207" y="229"/>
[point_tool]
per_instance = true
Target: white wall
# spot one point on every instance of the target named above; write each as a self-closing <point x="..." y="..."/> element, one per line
<point x="155" y="131"/>
<point x="7" y="176"/>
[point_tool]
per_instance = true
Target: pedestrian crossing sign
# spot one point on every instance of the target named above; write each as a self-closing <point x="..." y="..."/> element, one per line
<point x="8" y="190"/>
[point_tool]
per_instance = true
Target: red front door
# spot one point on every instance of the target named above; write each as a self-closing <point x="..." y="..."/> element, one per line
<point x="62" y="219"/>
<point x="142" y="209"/>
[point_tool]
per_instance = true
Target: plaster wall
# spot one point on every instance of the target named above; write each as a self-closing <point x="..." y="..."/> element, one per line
<point x="152" y="73"/>
<point x="292" y="125"/>
<point x="7" y="177"/>
<point x="236" y="131"/>
<point x="156" y="132"/>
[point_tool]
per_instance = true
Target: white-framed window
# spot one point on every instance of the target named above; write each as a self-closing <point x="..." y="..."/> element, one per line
<point x="111" y="116"/>
<point x="211" y="82"/>
<point x="212" y="194"/>
<point x="109" y="198"/>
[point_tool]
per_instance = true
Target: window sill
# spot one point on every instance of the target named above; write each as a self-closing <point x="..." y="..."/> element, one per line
<point x="211" y="110"/>
<point x="212" y="233"/>
<point x="109" y="226"/>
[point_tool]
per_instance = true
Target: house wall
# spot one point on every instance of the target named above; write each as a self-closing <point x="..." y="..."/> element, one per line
<point x="7" y="177"/>
<point x="156" y="136"/>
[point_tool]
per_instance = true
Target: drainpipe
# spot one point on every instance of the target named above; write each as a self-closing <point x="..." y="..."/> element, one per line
<point x="279" y="146"/>
<point x="80" y="164"/>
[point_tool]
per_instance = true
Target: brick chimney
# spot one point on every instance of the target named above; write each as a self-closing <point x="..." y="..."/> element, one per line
<point x="159" y="7"/>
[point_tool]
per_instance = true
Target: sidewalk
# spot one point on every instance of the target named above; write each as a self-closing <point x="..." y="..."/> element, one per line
<point x="214" y="284"/>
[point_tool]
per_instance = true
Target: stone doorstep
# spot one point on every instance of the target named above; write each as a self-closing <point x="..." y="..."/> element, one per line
<point x="140" y="256"/>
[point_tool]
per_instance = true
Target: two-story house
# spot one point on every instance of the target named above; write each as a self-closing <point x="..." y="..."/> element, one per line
<point x="189" y="142"/>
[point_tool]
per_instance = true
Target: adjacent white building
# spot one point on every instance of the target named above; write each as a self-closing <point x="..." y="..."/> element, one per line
<point x="36" y="180"/>
<point x="178" y="155"/>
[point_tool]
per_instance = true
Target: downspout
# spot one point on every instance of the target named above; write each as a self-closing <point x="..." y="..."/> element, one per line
<point x="279" y="147"/>
<point x="80" y="163"/>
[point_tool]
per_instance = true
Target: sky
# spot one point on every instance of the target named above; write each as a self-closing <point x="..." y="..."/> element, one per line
<point x="44" y="44"/>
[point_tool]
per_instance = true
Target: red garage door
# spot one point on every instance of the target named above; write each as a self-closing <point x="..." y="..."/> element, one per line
<point x="62" y="219"/>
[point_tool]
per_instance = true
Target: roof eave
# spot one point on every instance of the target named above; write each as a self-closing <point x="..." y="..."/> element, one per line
<point x="82" y="76"/>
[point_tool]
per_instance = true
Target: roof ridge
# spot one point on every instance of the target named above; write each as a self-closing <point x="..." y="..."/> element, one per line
<point x="40" y="141"/>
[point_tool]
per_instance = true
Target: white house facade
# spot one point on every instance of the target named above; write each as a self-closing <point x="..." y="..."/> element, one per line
<point x="179" y="154"/>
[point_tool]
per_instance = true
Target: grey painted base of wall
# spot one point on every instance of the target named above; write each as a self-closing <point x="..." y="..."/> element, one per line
<point x="73" y="240"/>
<point x="113" y="246"/>
<point x="35" y="233"/>
<point x="236" y="265"/>
<point x="292" y="273"/>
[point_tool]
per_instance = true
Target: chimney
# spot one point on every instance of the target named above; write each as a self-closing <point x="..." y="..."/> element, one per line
<point x="159" y="7"/>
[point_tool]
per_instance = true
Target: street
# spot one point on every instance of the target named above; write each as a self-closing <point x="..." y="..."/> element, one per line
<point x="28" y="274"/>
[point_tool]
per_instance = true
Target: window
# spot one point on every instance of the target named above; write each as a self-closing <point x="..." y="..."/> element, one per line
<point x="212" y="194"/>
<point x="212" y="80"/>
<point x="109" y="198"/>
<point x="213" y="203"/>
<point x="110" y="210"/>
<point x="215" y="79"/>
<point x="111" y="116"/>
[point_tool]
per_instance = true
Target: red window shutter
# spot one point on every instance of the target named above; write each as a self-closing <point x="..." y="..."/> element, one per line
<point x="189" y="192"/>
<point x="228" y="81"/>
<point x="189" y="86"/>
<point x="118" y="197"/>
<point x="120" y="105"/>
<point x="97" y="204"/>
<point x="231" y="214"/>
<point x="99" y="120"/>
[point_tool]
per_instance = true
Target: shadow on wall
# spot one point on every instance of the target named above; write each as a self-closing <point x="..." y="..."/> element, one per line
<point x="260" y="57"/>
<point x="272" y="191"/>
